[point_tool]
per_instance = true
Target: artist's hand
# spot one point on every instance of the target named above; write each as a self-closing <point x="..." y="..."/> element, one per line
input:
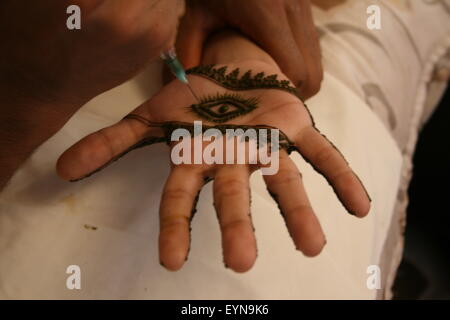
<point x="47" y="72"/>
<point x="42" y="61"/>
<point x="283" y="28"/>
<point x="274" y="108"/>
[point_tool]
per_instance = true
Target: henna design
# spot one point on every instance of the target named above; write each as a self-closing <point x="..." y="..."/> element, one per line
<point x="217" y="109"/>
<point x="170" y="126"/>
<point x="251" y="218"/>
<point x="223" y="107"/>
<point x="193" y="212"/>
<point x="246" y="82"/>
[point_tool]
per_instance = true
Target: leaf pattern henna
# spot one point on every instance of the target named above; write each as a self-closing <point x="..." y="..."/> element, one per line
<point x="246" y="82"/>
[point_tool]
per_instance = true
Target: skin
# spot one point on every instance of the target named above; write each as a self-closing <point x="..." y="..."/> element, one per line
<point x="297" y="51"/>
<point x="231" y="182"/>
<point x="48" y="72"/>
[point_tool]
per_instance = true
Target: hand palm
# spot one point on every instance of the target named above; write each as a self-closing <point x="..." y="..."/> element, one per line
<point x="276" y="108"/>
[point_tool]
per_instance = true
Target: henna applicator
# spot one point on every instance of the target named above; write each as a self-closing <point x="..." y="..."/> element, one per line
<point x="175" y="66"/>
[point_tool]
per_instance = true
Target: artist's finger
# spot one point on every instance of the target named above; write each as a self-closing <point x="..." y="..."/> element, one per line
<point x="283" y="48"/>
<point x="195" y="27"/>
<point x="306" y="36"/>
<point x="286" y="187"/>
<point x="326" y="159"/>
<point x="177" y="204"/>
<point x="98" y="148"/>
<point x="232" y="203"/>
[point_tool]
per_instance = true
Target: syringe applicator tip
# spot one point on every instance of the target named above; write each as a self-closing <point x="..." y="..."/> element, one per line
<point x="175" y="66"/>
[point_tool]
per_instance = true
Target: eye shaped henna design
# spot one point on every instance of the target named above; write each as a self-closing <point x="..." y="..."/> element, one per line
<point x="224" y="107"/>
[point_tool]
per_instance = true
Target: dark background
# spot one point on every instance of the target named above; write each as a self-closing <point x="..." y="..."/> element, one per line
<point x="425" y="270"/>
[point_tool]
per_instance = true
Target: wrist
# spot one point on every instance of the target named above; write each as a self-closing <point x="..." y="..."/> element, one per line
<point x="230" y="47"/>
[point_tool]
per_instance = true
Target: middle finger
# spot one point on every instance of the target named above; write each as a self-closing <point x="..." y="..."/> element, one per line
<point x="232" y="203"/>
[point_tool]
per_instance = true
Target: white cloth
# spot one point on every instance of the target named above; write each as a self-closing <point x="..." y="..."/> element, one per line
<point x="45" y="223"/>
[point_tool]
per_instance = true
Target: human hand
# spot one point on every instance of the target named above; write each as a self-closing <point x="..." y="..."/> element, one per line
<point x="47" y="68"/>
<point x="283" y="28"/>
<point x="47" y="72"/>
<point x="274" y="108"/>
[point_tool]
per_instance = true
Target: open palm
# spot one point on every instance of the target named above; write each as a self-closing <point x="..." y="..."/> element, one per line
<point x="273" y="108"/>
